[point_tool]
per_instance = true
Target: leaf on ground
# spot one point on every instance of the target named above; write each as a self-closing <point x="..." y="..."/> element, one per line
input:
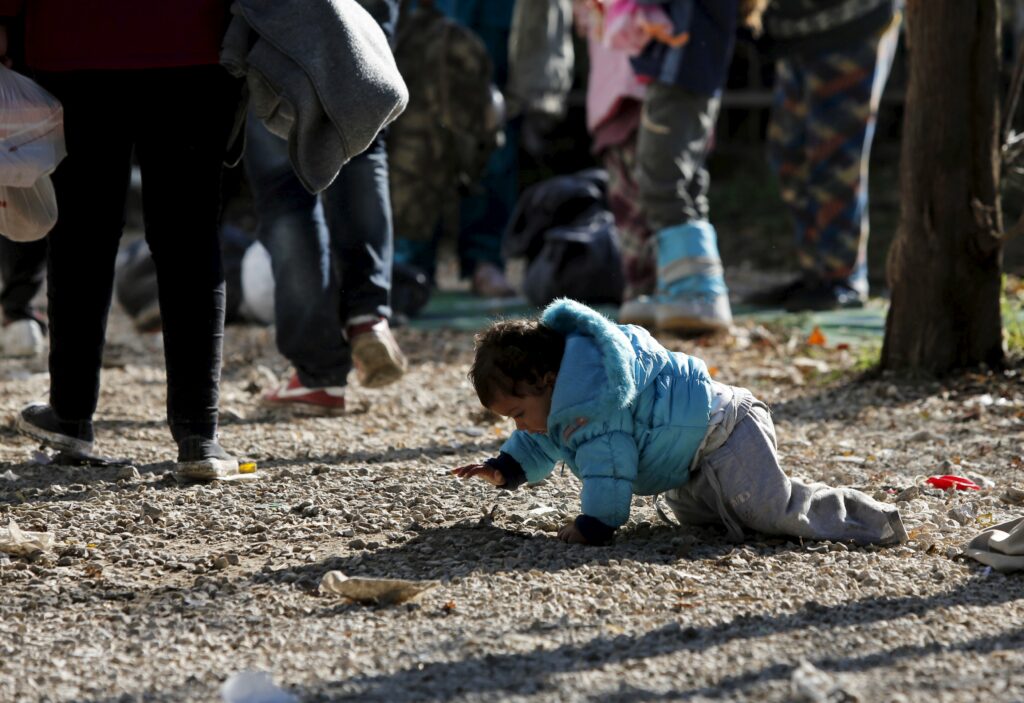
<point x="816" y="337"/>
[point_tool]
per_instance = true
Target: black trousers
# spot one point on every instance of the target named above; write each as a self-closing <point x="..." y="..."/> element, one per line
<point x="22" y="269"/>
<point x="177" y="120"/>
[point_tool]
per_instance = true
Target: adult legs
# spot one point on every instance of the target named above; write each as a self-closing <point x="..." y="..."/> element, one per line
<point x="357" y="210"/>
<point x="484" y="216"/>
<point x="293" y="229"/>
<point x="22" y="270"/>
<point x="819" y="144"/>
<point x="787" y="150"/>
<point x="180" y="151"/>
<point x="635" y="236"/>
<point x="672" y="145"/>
<point x="844" y="90"/>
<point x="91" y="184"/>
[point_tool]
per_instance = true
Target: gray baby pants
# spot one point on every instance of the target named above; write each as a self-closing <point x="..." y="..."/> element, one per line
<point x="741" y="485"/>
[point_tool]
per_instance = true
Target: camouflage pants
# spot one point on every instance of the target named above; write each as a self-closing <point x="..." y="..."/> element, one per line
<point x="635" y="237"/>
<point x="819" y="141"/>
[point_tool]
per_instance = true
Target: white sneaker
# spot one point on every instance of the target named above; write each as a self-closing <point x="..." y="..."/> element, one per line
<point x="641" y="311"/>
<point x="375" y="353"/>
<point x="694" y="314"/>
<point x="22" y="338"/>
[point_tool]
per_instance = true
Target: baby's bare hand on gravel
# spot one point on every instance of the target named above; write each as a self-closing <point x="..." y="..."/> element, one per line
<point x="487" y="473"/>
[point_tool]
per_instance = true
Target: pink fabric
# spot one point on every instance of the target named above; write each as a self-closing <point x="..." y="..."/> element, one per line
<point x="620" y="127"/>
<point x="611" y="80"/>
<point x="627" y="25"/>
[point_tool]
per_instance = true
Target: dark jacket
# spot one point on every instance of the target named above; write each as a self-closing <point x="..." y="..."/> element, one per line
<point x="70" y="35"/>
<point x="702" y="64"/>
<point x="324" y="78"/>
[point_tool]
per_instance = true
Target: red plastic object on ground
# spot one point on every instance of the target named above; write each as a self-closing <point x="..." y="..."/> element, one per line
<point x="958" y="482"/>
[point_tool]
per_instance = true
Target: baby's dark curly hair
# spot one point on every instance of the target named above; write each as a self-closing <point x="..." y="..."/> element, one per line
<point x="512" y="358"/>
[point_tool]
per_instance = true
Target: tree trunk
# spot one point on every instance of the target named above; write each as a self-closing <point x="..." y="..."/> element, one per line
<point x="944" y="265"/>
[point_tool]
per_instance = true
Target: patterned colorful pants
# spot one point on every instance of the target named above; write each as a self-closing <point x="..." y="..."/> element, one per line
<point x="819" y="141"/>
<point x="635" y="237"/>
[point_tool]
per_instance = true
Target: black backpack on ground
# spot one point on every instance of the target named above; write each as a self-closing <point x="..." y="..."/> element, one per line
<point x="564" y="230"/>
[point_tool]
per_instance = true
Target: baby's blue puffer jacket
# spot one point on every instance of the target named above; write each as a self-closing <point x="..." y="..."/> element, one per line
<point x="627" y="415"/>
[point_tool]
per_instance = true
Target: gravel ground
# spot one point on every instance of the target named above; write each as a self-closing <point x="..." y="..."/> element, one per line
<point x="156" y="591"/>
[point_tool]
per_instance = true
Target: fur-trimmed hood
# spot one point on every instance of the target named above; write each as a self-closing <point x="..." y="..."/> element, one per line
<point x="605" y="365"/>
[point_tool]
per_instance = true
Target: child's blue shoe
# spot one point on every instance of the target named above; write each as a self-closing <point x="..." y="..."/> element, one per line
<point x="692" y="296"/>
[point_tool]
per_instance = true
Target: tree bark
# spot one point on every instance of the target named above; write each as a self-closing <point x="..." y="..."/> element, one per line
<point x="944" y="265"/>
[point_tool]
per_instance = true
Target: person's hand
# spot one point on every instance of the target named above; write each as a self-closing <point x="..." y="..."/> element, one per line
<point x="484" y="471"/>
<point x="569" y="533"/>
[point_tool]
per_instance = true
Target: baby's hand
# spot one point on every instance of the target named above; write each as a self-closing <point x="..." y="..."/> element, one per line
<point x="484" y="471"/>
<point x="571" y="534"/>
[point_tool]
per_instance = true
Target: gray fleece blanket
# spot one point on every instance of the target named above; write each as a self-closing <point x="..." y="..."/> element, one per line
<point x="320" y="73"/>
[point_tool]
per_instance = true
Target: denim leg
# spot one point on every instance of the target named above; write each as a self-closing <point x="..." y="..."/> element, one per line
<point x="483" y="216"/>
<point x="181" y="156"/>
<point x="419" y="254"/>
<point x="357" y="210"/>
<point x="292" y="228"/>
<point x="91" y="184"/>
<point x="672" y="146"/>
<point x="23" y="270"/>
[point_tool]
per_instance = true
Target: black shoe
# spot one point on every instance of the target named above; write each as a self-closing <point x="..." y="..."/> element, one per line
<point x="204" y="458"/>
<point x="778" y="296"/>
<point x="40" y="422"/>
<point x="827" y="295"/>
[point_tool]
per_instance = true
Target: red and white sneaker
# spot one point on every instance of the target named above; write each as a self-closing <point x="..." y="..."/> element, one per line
<point x="375" y="353"/>
<point x="329" y="400"/>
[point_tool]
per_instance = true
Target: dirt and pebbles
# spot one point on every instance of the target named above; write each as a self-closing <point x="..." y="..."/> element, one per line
<point x="158" y="591"/>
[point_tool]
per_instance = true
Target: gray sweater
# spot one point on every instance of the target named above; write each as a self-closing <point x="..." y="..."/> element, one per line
<point x="320" y="73"/>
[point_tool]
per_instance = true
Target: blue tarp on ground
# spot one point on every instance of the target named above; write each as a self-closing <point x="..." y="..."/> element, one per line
<point x="460" y="310"/>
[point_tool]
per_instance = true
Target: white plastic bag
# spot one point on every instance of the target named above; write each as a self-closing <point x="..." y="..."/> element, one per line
<point x="27" y="214"/>
<point x="31" y="130"/>
<point x="31" y="146"/>
<point x="14" y="540"/>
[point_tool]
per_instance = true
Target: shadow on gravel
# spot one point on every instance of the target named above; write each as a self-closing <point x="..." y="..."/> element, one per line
<point x="478" y="547"/>
<point x="434" y="450"/>
<point x="57" y="483"/>
<point x="731" y="685"/>
<point x="846" y="401"/>
<point x="526" y="673"/>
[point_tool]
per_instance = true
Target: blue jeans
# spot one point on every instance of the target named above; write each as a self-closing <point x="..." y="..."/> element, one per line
<point x="331" y="254"/>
